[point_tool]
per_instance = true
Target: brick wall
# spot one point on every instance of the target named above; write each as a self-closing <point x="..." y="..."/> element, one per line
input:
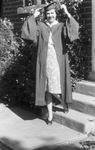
<point x="86" y="18"/>
<point x="9" y="10"/>
<point x="86" y="15"/>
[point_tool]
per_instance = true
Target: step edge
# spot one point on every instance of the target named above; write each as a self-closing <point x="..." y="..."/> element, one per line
<point x="81" y="95"/>
<point x="71" y="119"/>
<point x="83" y="82"/>
<point x="86" y="117"/>
<point x="85" y="127"/>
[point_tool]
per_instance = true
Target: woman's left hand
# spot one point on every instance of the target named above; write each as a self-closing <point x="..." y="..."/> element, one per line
<point x="65" y="10"/>
<point x="37" y="12"/>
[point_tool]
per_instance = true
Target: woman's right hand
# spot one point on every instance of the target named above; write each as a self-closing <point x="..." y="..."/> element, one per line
<point x="37" y="12"/>
<point x="65" y="10"/>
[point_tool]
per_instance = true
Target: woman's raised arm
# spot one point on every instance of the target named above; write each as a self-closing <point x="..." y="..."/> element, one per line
<point x="29" y="29"/>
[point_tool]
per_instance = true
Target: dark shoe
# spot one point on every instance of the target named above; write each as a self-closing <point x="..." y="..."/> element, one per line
<point x="66" y="109"/>
<point x="49" y="122"/>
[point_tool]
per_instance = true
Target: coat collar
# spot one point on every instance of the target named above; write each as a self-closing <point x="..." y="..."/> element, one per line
<point x="51" y="25"/>
<point x="54" y="27"/>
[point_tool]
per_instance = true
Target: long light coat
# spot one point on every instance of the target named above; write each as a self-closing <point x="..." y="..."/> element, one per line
<point x="39" y="32"/>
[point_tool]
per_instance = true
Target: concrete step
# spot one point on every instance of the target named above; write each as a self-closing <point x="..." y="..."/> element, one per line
<point x="85" y="87"/>
<point x="81" y="116"/>
<point x="75" y="120"/>
<point x="83" y="103"/>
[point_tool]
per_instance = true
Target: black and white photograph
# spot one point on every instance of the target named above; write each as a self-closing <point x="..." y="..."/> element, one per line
<point x="47" y="75"/>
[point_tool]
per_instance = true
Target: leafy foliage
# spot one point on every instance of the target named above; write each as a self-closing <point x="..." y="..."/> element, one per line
<point x="18" y="82"/>
<point x="78" y="56"/>
<point x="8" y="45"/>
<point x="9" y="51"/>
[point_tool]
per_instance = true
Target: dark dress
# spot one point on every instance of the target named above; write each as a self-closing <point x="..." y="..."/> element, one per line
<point x="39" y="32"/>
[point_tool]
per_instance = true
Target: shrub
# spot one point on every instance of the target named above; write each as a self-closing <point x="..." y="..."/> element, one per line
<point x="8" y="45"/>
<point x="9" y="51"/>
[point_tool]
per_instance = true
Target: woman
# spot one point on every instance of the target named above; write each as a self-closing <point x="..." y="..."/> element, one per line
<point x="52" y="73"/>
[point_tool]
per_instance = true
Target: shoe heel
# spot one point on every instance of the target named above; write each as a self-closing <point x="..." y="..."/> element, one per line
<point x="49" y="122"/>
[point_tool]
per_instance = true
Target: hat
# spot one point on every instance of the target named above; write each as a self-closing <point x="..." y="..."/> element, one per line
<point x="50" y="6"/>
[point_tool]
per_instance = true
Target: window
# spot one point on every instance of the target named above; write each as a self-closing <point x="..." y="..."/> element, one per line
<point x="32" y="2"/>
<point x="27" y="5"/>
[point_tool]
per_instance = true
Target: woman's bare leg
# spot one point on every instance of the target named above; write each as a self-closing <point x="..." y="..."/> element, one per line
<point x="50" y="115"/>
<point x="49" y="105"/>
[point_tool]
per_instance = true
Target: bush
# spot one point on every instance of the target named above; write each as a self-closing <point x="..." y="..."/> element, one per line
<point x="8" y="45"/>
<point x="17" y="66"/>
<point x="19" y="80"/>
<point x="9" y="51"/>
<point x="78" y="50"/>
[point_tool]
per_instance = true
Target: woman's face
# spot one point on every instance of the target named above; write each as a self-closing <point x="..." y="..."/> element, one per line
<point x="51" y="15"/>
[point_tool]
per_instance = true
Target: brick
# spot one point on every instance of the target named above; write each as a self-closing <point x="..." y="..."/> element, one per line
<point x="88" y="21"/>
<point x="82" y="10"/>
<point x="86" y="4"/>
<point x="88" y="10"/>
<point x="86" y="15"/>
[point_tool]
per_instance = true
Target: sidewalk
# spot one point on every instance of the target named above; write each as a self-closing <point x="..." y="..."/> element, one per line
<point x="22" y="130"/>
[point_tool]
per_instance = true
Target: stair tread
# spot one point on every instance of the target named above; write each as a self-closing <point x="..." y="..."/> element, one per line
<point x="83" y="98"/>
<point x="74" y="115"/>
<point x="84" y="82"/>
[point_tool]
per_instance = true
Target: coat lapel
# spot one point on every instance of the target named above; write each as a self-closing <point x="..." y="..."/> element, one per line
<point x="52" y="28"/>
